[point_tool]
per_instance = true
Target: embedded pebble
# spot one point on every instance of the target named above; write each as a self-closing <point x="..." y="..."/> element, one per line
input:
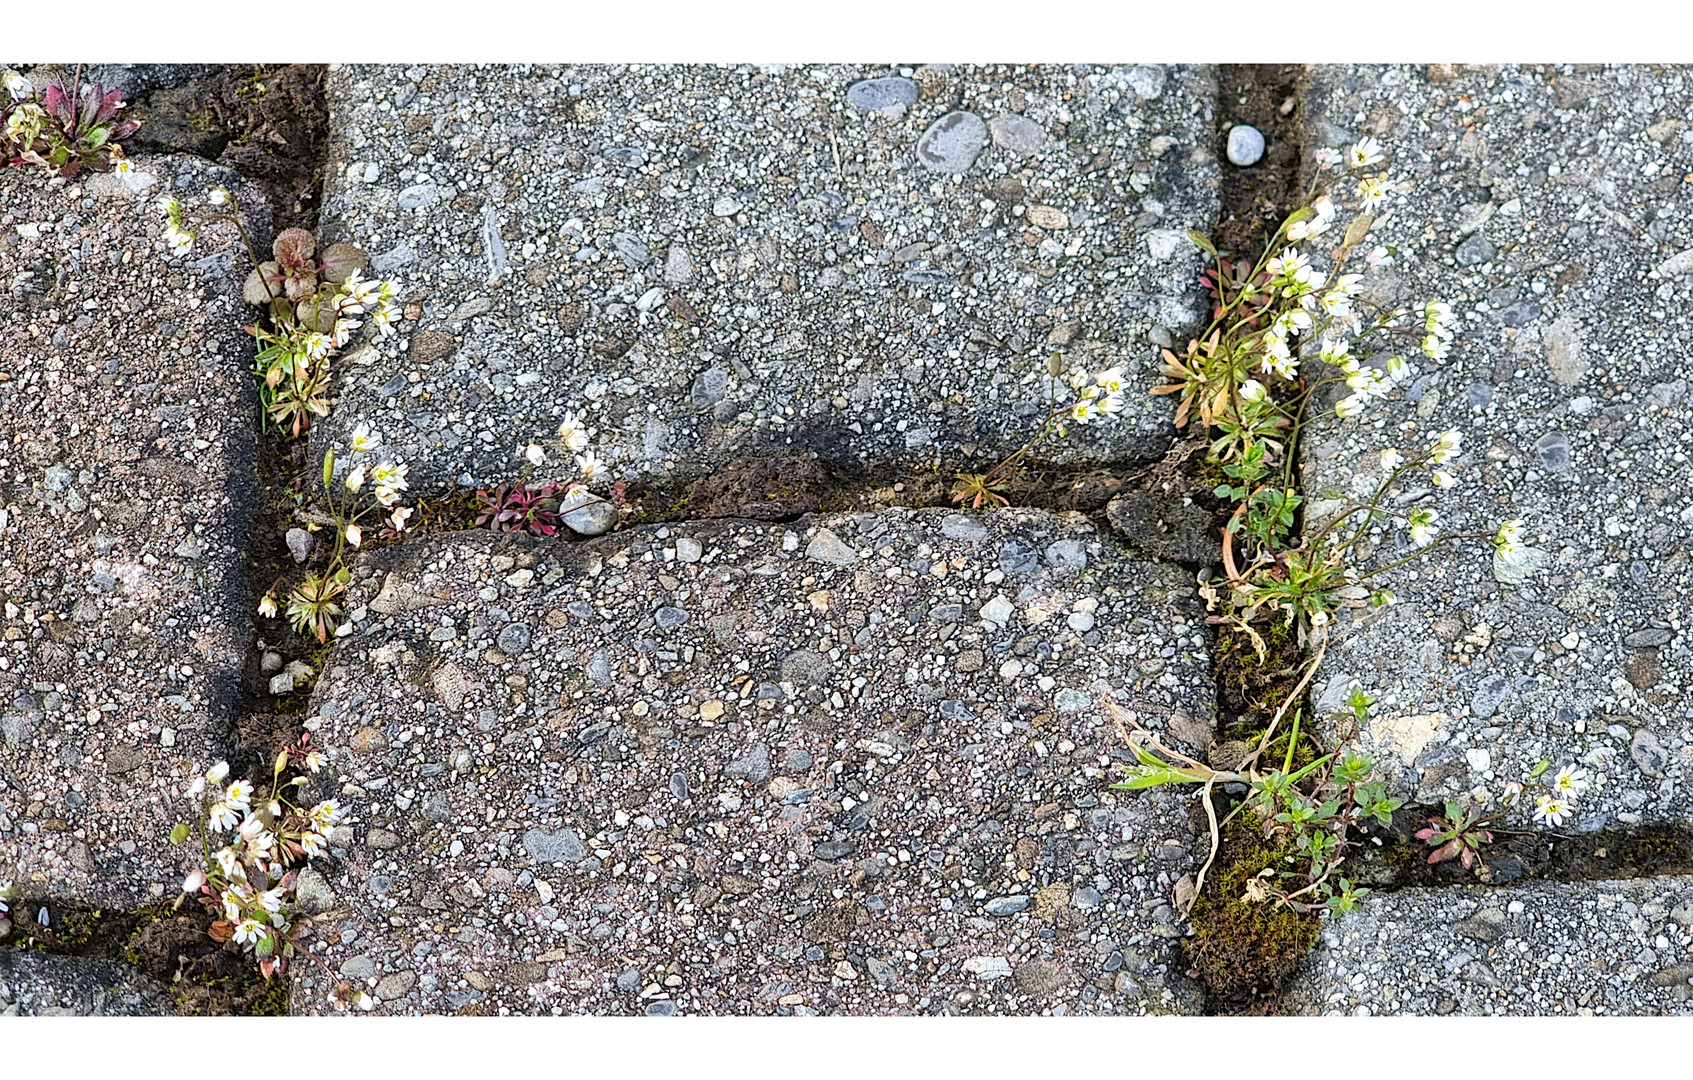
<point x="951" y="143"/>
<point x="1245" y="146"/>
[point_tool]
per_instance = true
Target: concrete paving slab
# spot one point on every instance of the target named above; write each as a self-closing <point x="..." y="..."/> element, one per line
<point x="866" y="263"/>
<point x="1547" y="205"/>
<point x="1605" y="948"/>
<point x="126" y="445"/>
<point x="850" y="765"/>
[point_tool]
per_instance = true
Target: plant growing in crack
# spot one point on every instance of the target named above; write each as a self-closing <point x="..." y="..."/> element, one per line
<point x="247" y="880"/>
<point x="311" y="300"/>
<point x="314" y="605"/>
<point x="1283" y="331"/>
<point x="1073" y="397"/>
<point x="69" y="128"/>
<point x="540" y="509"/>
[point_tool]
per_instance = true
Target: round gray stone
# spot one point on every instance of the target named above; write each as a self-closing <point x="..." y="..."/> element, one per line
<point x="561" y="846"/>
<point x="881" y="92"/>
<point x="1474" y="251"/>
<point x="514" y="639"/>
<point x="299" y="544"/>
<point x="1246" y="145"/>
<point x="1005" y="905"/>
<point x="952" y="143"/>
<point x="594" y="519"/>
<point x="1553" y="449"/>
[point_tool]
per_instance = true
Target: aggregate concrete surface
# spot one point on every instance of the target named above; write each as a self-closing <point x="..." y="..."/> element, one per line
<point x="125" y="477"/>
<point x="868" y="264"/>
<point x="1547" y="206"/>
<point x="856" y="764"/>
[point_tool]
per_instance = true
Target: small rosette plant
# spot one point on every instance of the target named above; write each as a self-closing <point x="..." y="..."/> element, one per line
<point x="68" y="128"/>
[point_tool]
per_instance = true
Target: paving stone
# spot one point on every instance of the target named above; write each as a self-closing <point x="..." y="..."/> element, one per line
<point x="714" y="261"/>
<point x="1543" y="949"/>
<point x="633" y="820"/>
<point x="36" y="984"/>
<point x="1581" y="429"/>
<point x="125" y="486"/>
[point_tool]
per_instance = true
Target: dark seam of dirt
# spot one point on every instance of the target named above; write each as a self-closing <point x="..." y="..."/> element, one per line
<point x="1241" y="954"/>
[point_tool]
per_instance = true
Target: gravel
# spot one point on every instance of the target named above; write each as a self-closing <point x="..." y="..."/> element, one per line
<point x="36" y="984"/>
<point x="1602" y="948"/>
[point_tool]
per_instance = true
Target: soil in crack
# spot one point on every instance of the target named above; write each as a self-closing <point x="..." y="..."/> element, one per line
<point x="1256" y="198"/>
<point x="1243" y="952"/>
<point x="173" y="948"/>
<point x="267" y="122"/>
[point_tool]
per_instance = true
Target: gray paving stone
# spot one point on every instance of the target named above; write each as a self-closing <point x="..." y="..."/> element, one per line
<point x="1569" y="383"/>
<point x="126" y="443"/>
<point x="828" y="766"/>
<point x="1603" y="948"/>
<point x="36" y="984"/>
<point x="711" y="261"/>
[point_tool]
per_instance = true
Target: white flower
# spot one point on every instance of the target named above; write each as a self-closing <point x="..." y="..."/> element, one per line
<point x="355" y="535"/>
<point x="1569" y="782"/>
<point x="315" y="760"/>
<point x="195" y="879"/>
<point x="1348" y="407"/>
<point x="364" y="440"/>
<point x="1335" y="351"/>
<point x="1366" y="383"/>
<point x="1552" y="810"/>
<point x="1326" y="157"/>
<point x="1252" y="390"/>
<point x="325" y="814"/>
<point x="1281" y="364"/>
<point x="364" y="1001"/>
<point x="592" y="467"/>
<point x="240" y="794"/>
<point x="1378" y="256"/>
<point x="218" y="196"/>
<point x="1112" y="404"/>
<point x="355" y="479"/>
<point x="1444" y="479"/>
<point x="1367" y="152"/>
<point x="180" y="241"/>
<point x="18" y="86"/>
<point x="267" y="606"/>
<point x="397" y="520"/>
<point x="250" y="931"/>
<point x="573" y="434"/>
<point x="1391" y="459"/>
<point x="1110" y="380"/>
<point x="313" y="844"/>
<point x="1445" y="448"/>
<point x="534" y="455"/>
<point x="1507" y="543"/>
<point x="216" y="773"/>
<point x="390" y="474"/>
<point x="383" y="319"/>
<point x="1085" y="409"/>
<point x="230" y="863"/>
<point x="1290" y="267"/>
<point x="1422" y="526"/>
<point x="1436" y="348"/>
<point x="1289" y="322"/>
<point x="168" y="206"/>
<point x="343" y="331"/>
<point x="271" y="900"/>
<point x="1372" y="190"/>
<point x="1337" y="302"/>
<point x="1398" y="370"/>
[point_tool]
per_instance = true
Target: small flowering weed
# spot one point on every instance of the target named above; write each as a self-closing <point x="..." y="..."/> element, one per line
<point x="69" y="128"/>
<point x="312" y="305"/>
<point x="254" y="841"/>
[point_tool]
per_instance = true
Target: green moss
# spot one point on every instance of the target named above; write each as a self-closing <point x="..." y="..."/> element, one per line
<point x="1241" y="949"/>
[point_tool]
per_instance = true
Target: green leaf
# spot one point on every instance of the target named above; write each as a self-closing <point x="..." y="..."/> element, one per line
<point x="1203" y="243"/>
<point x="1540" y="768"/>
<point x="1147" y="776"/>
<point x="180" y="833"/>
